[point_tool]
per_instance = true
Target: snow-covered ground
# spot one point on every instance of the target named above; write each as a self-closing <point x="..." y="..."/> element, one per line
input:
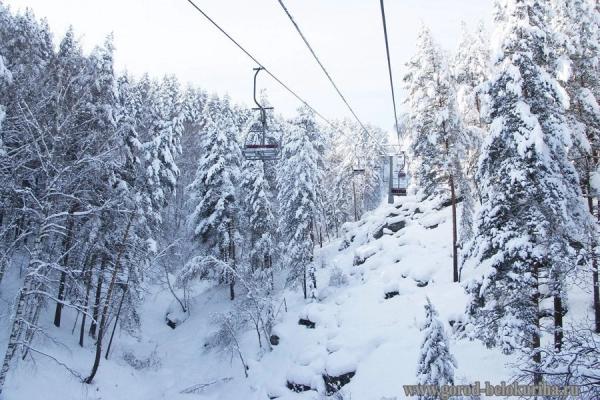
<point x="404" y="248"/>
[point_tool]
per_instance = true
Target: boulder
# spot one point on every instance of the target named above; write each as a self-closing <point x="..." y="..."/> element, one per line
<point x="334" y="383"/>
<point x="306" y="322"/>
<point x="389" y="295"/>
<point x="298" y="387"/>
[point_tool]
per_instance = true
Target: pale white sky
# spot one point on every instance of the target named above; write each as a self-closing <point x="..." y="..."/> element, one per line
<point x="169" y="36"/>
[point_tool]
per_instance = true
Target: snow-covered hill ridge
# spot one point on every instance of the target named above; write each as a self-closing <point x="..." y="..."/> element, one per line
<point x="372" y="286"/>
<point x="369" y="323"/>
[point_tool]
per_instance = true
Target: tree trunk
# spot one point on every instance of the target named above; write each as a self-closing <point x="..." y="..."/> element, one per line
<point x="112" y="335"/>
<point x="88" y="287"/>
<point x="107" y="301"/>
<point x="595" y="280"/>
<point x="304" y="284"/>
<point x="16" y="330"/>
<point x="454" y="231"/>
<point x="596" y="284"/>
<point x="535" y="340"/>
<point x="232" y="261"/>
<point x="558" y="322"/>
<point x="15" y="333"/>
<point x="63" y="275"/>
<point x="96" y="309"/>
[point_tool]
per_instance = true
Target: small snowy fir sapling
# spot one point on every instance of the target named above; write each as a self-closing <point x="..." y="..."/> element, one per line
<point x="436" y="363"/>
<point x="337" y="277"/>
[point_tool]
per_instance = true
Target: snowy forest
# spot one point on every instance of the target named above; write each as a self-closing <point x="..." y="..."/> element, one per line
<point x="145" y="255"/>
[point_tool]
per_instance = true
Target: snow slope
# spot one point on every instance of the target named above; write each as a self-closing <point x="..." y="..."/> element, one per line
<point x="404" y="248"/>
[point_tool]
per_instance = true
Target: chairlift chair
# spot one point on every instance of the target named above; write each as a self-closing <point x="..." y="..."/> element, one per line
<point x="400" y="184"/>
<point x="358" y="168"/>
<point x="259" y="145"/>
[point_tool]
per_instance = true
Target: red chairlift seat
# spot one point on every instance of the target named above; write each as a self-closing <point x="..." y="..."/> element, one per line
<point x="262" y="146"/>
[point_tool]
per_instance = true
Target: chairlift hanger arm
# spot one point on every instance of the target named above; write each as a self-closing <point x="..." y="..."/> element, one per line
<point x="257" y="69"/>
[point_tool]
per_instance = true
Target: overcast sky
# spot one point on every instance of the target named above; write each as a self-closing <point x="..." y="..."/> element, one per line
<point x="169" y="36"/>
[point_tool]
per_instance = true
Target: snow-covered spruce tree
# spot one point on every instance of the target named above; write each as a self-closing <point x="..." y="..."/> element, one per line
<point x="530" y="211"/>
<point x="158" y="120"/>
<point x="436" y="364"/>
<point x="213" y="195"/>
<point x="438" y="139"/>
<point x="299" y="185"/>
<point x="578" y="39"/>
<point x="258" y="209"/>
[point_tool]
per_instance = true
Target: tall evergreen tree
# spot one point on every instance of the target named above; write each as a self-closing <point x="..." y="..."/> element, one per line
<point x="470" y="69"/>
<point x="438" y="139"/>
<point x="530" y="210"/>
<point x="578" y="40"/>
<point x="213" y="193"/>
<point x="258" y="209"/>
<point x="299" y="185"/>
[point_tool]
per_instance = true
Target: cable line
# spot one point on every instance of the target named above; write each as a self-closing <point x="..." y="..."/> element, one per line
<point x="323" y="68"/>
<point x="286" y="87"/>
<point x="387" y="50"/>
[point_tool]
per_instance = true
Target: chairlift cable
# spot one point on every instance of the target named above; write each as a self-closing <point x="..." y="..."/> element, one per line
<point x="286" y="87"/>
<point x="387" y="50"/>
<point x="312" y="51"/>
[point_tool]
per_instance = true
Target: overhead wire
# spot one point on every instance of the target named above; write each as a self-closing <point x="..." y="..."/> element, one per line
<point x="387" y="50"/>
<point x="312" y="51"/>
<point x="279" y="81"/>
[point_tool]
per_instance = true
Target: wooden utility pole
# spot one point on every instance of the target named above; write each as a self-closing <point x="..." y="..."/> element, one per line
<point x="354" y="198"/>
<point x="454" y="231"/>
<point x="391" y="181"/>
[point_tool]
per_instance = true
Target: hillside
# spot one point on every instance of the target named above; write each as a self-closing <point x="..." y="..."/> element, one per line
<point x="403" y="249"/>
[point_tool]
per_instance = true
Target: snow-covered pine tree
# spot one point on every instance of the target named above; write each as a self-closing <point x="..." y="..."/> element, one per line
<point x="438" y="139"/>
<point x="578" y="40"/>
<point x="531" y="211"/>
<point x="470" y="69"/>
<point x="337" y="200"/>
<point x="213" y="193"/>
<point x="299" y="185"/>
<point x="436" y="364"/>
